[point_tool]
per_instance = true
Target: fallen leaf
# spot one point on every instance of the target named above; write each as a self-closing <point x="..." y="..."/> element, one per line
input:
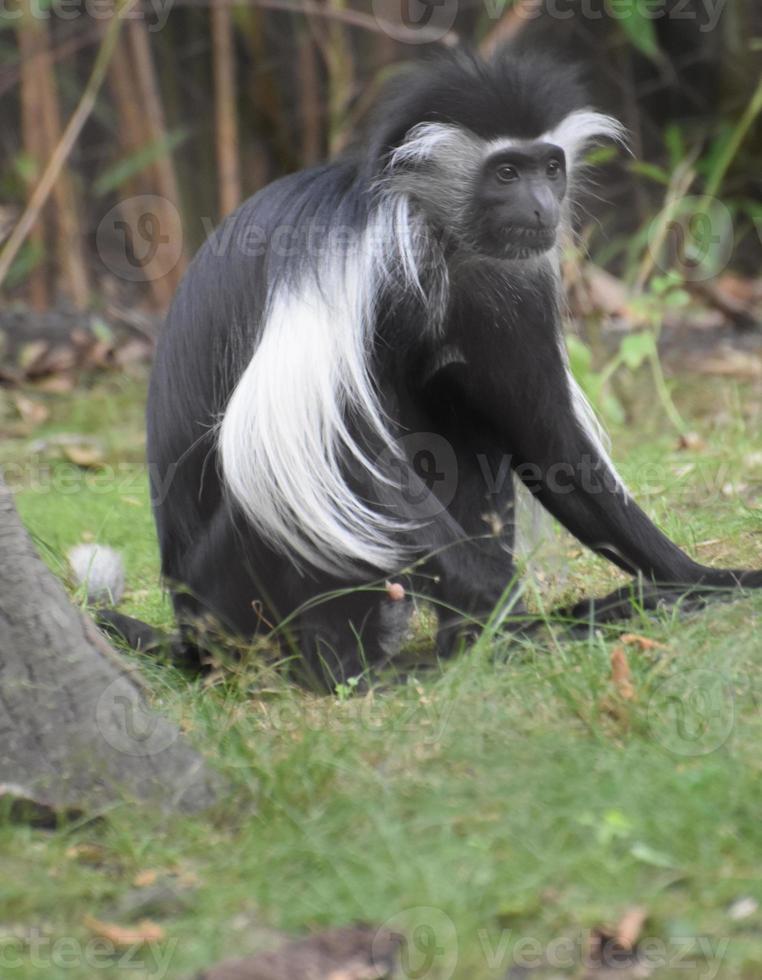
<point x="613" y="952"/>
<point x="144" y="878"/>
<point x="87" y="853"/>
<point x="742" y="289"/>
<point x="31" y="354"/>
<point x="58" y="359"/>
<point x="630" y="926"/>
<point x="99" y="355"/>
<point x="743" y="908"/>
<point x="32" y="412"/>
<point x="728" y="362"/>
<point x="635" y="639"/>
<point x="56" y="384"/>
<point x="144" y="931"/>
<point x="87" y="457"/>
<point x="607" y="293"/>
<point x="620" y="674"/>
<point x="692" y="441"/>
<point x="133" y="352"/>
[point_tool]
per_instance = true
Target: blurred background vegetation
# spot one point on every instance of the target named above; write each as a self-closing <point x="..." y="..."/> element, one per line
<point x="123" y="148"/>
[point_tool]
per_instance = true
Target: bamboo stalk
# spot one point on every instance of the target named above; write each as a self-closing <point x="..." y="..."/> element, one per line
<point x="226" y="123"/>
<point x="510" y="25"/>
<point x="131" y="140"/>
<point x="352" y="18"/>
<point x="32" y="141"/>
<point x="144" y="77"/>
<point x="339" y="64"/>
<point x="73" y="278"/>
<point x="68" y="138"/>
<point x="310" y="108"/>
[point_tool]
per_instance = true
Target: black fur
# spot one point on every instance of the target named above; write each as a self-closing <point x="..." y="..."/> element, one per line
<point x="505" y="397"/>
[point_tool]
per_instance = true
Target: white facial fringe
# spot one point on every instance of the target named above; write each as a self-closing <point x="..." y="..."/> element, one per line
<point x="284" y="435"/>
<point x="581" y="128"/>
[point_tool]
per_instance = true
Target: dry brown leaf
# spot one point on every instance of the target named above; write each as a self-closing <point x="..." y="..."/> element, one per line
<point x="88" y="457"/>
<point x="636" y="640"/>
<point x="630" y="926"/>
<point x="728" y="363"/>
<point x="145" y="878"/>
<point x="31" y="354"/>
<point x="742" y="289"/>
<point x="620" y="674"/>
<point x="692" y="441"/>
<point x="87" y="853"/>
<point x="607" y="293"/>
<point x="56" y="360"/>
<point x="56" y="384"/>
<point x="99" y="355"/>
<point x="133" y="352"/>
<point x="144" y="931"/>
<point x="32" y="412"/>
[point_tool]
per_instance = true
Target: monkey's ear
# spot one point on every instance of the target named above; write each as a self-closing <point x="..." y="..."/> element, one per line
<point x="580" y="129"/>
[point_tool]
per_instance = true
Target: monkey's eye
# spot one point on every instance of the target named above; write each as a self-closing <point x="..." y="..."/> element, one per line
<point x="553" y="169"/>
<point x="505" y="173"/>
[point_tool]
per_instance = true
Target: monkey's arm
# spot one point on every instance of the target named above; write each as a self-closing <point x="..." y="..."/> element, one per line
<point x="533" y="414"/>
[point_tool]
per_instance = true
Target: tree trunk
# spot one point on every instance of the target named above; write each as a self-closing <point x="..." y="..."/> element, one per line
<point x="76" y="732"/>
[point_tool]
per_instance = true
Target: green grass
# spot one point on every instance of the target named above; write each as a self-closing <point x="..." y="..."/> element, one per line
<point x="509" y="798"/>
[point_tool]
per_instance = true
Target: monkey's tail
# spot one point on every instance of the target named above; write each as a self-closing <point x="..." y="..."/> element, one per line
<point x="99" y="570"/>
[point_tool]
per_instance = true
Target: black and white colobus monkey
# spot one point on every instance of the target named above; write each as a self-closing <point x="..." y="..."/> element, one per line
<point x="399" y="305"/>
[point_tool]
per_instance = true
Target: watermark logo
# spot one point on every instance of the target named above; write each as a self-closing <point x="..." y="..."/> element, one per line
<point x="692" y="713"/>
<point x="141" y="238"/>
<point x="415" y="21"/>
<point x="424" y="468"/>
<point x="431" y="948"/>
<point x="695" y="238"/>
<point x="127" y="723"/>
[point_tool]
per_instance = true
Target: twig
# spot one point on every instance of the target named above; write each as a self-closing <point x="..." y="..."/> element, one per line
<point x="679" y="186"/>
<point x="10" y="75"/>
<point x="510" y="25"/>
<point x="354" y="18"/>
<point x="733" y="145"/>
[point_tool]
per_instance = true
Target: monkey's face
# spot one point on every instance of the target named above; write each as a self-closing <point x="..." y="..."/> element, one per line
<point x="501" y="198"/>
<point x="516" y="206"/>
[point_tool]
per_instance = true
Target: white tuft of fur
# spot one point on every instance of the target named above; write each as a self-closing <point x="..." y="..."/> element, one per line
<point x="581" y="128"/>
<point x="100" y="569"/>
<point x="573" y="134"/>
<point x="284" y="437"/>
<point x="589" y="422"/>
<point x="422" y="141"/>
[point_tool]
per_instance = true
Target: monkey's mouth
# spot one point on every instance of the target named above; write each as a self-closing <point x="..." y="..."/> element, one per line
<point x="520" y="243"/>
